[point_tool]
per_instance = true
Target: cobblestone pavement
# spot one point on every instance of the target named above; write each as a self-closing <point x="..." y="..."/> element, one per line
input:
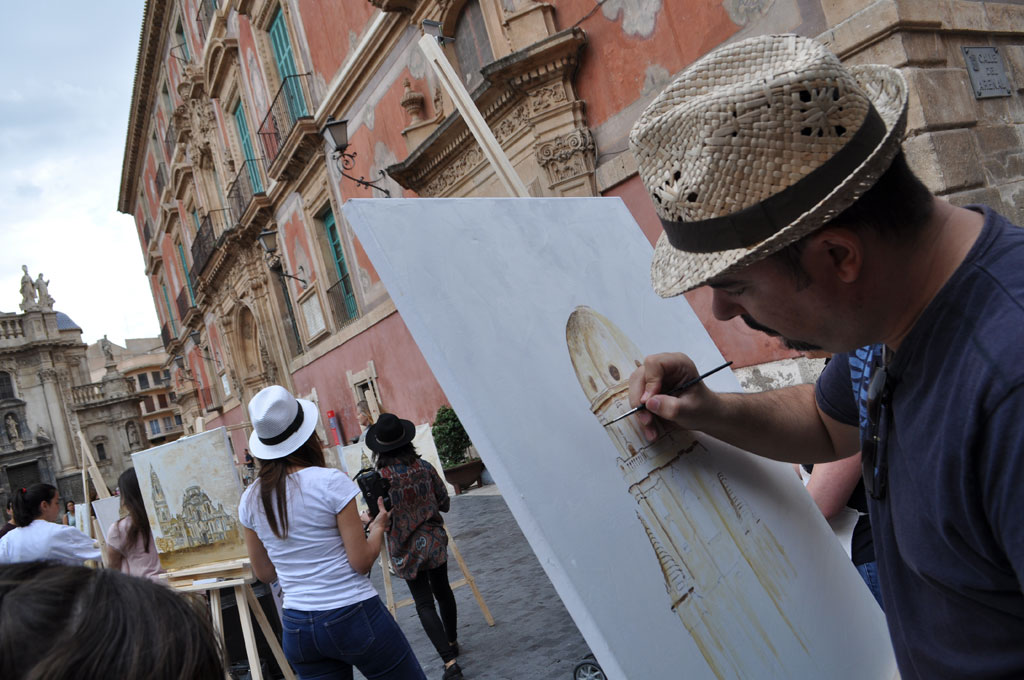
<point x="533" y="637"/>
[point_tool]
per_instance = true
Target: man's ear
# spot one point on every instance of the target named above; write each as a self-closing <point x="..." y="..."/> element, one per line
<point x="838" y="253"/>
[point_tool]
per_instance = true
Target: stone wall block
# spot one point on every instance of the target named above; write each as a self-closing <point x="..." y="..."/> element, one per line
<point x="1002" y="157"/>
<point x="861" y="29"/>
<point x="1004" y="18"/>
<point x="923" y="49"/>
<point x="939" y="99"/>
<point x="946" y="161"/>
<point x="889" y="50"/>
<point x="841" y="10"/>
<point x="965" y="15"/>
<point x="1013" y="59"/>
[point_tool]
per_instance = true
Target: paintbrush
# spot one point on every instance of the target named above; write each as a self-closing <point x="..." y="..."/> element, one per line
<point x="675" y="392"/>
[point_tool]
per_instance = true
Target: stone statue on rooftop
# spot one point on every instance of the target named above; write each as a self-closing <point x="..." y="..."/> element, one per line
<point x="42" y="288"/>
<point x="108" y="350"/>
<point x="28" y="291"/>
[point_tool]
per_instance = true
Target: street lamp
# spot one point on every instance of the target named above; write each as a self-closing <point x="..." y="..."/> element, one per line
<point x="335" y="133"/>
<point x="268" y="239"/>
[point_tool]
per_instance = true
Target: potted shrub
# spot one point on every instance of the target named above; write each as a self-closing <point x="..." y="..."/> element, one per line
<point x="452" y="444"/>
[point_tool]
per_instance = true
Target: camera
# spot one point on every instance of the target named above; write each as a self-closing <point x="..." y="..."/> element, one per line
<point x="373" y="487"/>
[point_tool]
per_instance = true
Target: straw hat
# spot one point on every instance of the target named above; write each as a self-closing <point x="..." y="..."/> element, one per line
<point x="756" y="145"/>
<point x="280" y="422"/>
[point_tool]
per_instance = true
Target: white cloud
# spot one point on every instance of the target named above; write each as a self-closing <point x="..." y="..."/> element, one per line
<point x="63" y="116"/>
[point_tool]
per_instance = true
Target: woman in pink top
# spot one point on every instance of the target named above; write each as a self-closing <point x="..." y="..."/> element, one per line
<point x="130" y="544"/>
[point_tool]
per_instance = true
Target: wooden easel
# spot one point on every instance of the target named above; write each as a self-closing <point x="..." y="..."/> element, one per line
<point x="89" y="465"/>
<point x="467" y="579"/>
<point x="237" y="575"/>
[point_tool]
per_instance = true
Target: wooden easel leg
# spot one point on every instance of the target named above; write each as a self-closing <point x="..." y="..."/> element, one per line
<point x="469" y="577"/>
<point x="268" y="633"/>
<point x="248" y="634"/>
<point x="389" y="593"/>
<point x="216" y="614"/>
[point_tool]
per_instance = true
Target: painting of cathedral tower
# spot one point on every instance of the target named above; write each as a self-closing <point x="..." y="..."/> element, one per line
<point x="725" y="574"/>
<point x="191" y="490"/>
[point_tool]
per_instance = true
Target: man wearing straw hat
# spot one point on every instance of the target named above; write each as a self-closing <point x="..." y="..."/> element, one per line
<point x="778" y="176"/>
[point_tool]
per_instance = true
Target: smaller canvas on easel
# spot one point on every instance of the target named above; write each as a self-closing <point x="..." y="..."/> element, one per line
<point x="191" y="491"/>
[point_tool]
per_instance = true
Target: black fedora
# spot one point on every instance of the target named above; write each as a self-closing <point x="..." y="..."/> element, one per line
<point x="389" y="433"/>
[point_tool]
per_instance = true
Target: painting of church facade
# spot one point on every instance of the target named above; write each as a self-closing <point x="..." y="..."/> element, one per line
<point x="191" y="490"/>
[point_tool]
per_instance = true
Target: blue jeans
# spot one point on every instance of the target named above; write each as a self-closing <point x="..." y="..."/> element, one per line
<point x="869" y="572"/>
<point x="328" y="644"/>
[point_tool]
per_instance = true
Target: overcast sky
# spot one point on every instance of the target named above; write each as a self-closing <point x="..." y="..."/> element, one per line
<point x="66" y="74"/>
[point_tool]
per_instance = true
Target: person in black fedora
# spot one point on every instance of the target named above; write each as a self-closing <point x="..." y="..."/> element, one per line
<point x="417" y="540"/>
<point x="302" y="528"/>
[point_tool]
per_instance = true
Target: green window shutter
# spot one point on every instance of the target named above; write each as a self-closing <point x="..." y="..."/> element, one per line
<point x="188" y="277"/>
<point x="179" y="34"/>
<point x="339" y="264"/>
<point x="285" y="61"/>
<point x="195" y="218"/>
<point x="170" y="313"/>
<point x="246" y="141"/>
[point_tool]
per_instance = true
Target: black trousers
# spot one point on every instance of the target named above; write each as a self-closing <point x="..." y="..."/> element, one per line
<point x="428" y="585"/>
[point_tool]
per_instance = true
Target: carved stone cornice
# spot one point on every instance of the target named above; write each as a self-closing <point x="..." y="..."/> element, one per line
<point x="181" y="178"/>
<point x="220" y="56"/>
<point x="568" y="157"/>
<point x="405" y="6"/>
<point x="530" y="92"/>
<point x="147" y="71"/>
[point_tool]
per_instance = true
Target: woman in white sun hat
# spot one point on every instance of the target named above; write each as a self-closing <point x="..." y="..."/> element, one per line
<point x="303" y="529"/>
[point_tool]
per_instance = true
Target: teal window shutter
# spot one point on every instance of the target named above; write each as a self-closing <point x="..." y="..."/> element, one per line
<point x="285" y="61"/>
<point x="340" y="267"/>
<point x="188" y="277"/>
<point x="246" y="141"/>
<point x="179" y="35"/>
<point x="170" y="314"/>
<point x="195" y="218"/>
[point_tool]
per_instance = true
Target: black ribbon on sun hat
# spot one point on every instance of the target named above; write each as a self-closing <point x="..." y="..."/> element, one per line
<point x="750" y="226"/>
<point x="288" y="431"/>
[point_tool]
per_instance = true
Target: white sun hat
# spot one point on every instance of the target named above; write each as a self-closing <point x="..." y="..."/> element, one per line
<point x="280" y="422"/>
<point x="756" y="145"/>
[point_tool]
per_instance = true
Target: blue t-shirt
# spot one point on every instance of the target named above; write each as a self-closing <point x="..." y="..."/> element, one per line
<point x="949" y="534"/>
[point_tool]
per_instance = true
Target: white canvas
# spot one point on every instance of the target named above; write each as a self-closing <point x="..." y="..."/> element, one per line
<point x="191" y="490"/>
<point x="107" y="511"/>
<point x="684" y="557"/>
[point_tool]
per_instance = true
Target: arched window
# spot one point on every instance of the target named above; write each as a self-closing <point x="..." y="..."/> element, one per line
<point x="6" y="386"/>
<point x="472" y="46"/>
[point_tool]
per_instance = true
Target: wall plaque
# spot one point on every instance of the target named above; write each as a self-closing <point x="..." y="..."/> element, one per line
<point x="986" y="71"/>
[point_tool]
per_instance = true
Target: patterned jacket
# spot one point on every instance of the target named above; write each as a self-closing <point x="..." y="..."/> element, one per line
<point x="417" y="538"/>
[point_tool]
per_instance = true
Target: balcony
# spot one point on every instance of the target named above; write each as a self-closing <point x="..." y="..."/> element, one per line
<point x="165" y="335"/>
<point x="247" y="186"/>
<point x="147" y="234"/>
<point x="202" y="247"/>
<point x="342" y="300"/>
<point x="185" y="307"/>
<point x="206" y="398"/>
<point x="96" y="392"/>
<point x="288" y="135"/>
<point x="161" y="180"/>
<point x="170" y="140"/>
<point x="204" y="17"/>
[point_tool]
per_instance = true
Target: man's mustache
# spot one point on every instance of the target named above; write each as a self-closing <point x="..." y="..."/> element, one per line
<point x="797" y="345"/>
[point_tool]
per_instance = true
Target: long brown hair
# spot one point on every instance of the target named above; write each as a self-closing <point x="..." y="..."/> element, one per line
<point x="131" y="500"/>
<point x="273" y="479"/>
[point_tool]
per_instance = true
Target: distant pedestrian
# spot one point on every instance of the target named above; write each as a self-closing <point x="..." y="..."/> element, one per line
<point x="69" y="513"/>
<point x="302" y="529"/>
<point x="59" y="621"/>
<point x="9" y="524"/>
<point x="365" y="419"/>
<point x="38" y="536"/>
<point x="417" y="540"/>
<point x="130" y="544"/>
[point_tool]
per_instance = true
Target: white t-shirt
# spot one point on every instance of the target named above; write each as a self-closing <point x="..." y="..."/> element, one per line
<point x="42" y="540"/>
<point x="311" y="562"/>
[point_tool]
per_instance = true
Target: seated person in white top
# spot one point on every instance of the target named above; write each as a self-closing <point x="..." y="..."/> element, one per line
<point x="302" y="528"/>
<point x="39" y="536"/>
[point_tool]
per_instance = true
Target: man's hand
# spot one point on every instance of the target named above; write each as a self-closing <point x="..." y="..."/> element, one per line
<point x="659" y="374"/>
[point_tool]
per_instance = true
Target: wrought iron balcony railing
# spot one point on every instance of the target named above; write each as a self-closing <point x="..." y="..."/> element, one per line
<point x="204" y="17"/>
<point x="165" y="335"/>
<point x="170" y="138"/>
<point x="343" y="301"/>
<point x="248" y="182"/>
<point x="161" y="179"/>
<point x="290" y="105"/>
<point x="202" y="247"/>
<point x="184" y="302"/>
